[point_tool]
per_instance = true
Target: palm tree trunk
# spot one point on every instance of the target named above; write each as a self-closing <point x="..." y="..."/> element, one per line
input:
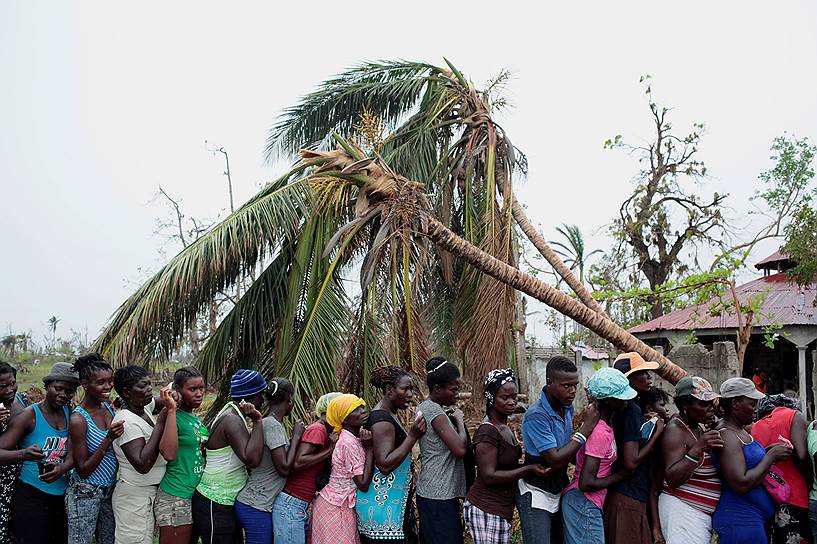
<point x="551" y="257"/>
<point x="447" y="240"/>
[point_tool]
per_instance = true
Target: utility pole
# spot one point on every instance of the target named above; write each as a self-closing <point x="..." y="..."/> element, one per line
<point x="229" y="179"/>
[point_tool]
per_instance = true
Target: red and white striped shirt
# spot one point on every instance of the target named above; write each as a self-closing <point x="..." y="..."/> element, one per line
<point x="703" y="488"/>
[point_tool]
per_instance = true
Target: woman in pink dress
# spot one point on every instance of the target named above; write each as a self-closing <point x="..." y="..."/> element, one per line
<point x="334" y="520"/>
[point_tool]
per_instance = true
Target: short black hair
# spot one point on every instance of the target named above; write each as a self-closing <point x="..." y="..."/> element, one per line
<point x="384" y="376"/>
<point x="183" y="374"/>
<point x="6" y="368"/>
<point x="560" y="363"/>
<point x="89" y="364"/>
<point x="126" y="377"/>
<point x="655" y="394"/>
<point x="440" y="371"/>
<point x="279" y="389"/>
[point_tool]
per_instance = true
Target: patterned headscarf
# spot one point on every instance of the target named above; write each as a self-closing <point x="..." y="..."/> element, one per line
<point x="770" y="402"/>
<point x="340" y="407"/>
<point x="496" y="379"/>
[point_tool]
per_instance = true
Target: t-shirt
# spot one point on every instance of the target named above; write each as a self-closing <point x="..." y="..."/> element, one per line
<point x="544" y="429"/>
<point x="497" y="499"/>
<point x="303" y="483"/>
<point x="184" y="472"/>
<point x="627" y="427"/>
<point x="601" y="444"/>
<point x="264" y="482"/>
<point x="442" y="475"/>
<point x="135" y="428"/>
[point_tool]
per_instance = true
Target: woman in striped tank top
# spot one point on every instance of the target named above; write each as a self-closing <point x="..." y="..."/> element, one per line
<point x="691" y="486"/>
<point x="88" y="497"/>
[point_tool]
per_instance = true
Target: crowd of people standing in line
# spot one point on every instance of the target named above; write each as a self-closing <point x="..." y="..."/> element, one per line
<point x="738" y="463"/>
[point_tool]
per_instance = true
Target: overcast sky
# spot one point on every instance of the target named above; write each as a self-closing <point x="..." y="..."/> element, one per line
<point x="100" y="103"/>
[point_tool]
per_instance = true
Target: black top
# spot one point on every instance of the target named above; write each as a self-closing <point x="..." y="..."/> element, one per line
<point x="376" y="416"/>
<point x="627" y="428"/>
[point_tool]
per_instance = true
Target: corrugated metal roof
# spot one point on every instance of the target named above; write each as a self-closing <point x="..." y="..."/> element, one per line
<point x="786" y="303"/>
<point x="776" y="257"/>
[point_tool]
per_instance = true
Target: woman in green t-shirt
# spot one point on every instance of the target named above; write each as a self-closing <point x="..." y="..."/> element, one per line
<point x="182" y="443"/>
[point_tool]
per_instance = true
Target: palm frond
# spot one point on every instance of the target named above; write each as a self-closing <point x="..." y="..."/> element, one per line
<point x="389" y="89"/>
<point x="149" y="324"/>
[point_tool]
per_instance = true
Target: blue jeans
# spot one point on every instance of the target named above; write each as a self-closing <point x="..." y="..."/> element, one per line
<point x="583" y="520"/>
<point x="290" y="517"/>
<point x="89" y="512"/>
<point x="440" y="521"/>
<point x="257" y="524"/>
<point x="537" y="525"/>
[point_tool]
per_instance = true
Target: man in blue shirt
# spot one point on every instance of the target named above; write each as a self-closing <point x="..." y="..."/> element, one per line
<point x="547" y="433"/>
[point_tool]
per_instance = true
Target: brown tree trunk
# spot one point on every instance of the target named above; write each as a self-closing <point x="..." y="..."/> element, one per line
<point x="553" y="258"/>
<point x="447" y="240"/>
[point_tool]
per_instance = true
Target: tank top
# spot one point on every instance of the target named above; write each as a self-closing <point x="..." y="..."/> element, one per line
<point x="105" y="472"/>
<point x="224" y="472"/>
<point x="54" y="444"/>
<point x="703" y="488"/>
<point x="767" y="431"/>
<point x="755" y="502"/>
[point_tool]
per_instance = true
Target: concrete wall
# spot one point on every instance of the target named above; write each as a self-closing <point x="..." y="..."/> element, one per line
<point x="715" y="365"/>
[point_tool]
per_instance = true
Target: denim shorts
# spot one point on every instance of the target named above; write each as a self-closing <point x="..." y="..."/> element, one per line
<point x="172" y="511"/>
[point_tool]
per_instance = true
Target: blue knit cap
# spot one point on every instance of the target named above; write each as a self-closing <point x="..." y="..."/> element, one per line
<point x="246" y="383"/>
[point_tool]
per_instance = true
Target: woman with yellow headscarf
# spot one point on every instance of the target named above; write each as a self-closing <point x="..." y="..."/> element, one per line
<point x="334" y="520"/>
<point x="290" y="511"/>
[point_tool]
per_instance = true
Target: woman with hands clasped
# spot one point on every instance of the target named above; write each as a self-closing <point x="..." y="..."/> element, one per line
<point x="334" y="520"/>
<point x="691" y="486"/>
<point x="385" y="511"/>
<point x="88" y="500"/>
<point x="141" y="467"/>
<point x="745" y="506"/>
<point x="489" y="505"/>
<point x="38" y="437"/>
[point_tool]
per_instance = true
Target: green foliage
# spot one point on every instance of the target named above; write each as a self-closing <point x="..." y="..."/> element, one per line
<point x="801" y="245"/>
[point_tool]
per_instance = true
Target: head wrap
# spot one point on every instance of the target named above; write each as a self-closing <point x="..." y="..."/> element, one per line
<point x="246" y="383"/>
<point x="323" y="402"/>
<point x="340" y="407"/>
<point x="770" y="402"/>
<point x="496" y="379"/>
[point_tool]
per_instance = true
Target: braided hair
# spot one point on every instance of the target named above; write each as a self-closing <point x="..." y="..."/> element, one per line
<point x="126" y="377"/>
<point x="183" y="374"/>
<point x="87" y="365"/>
<point x="385" y="376"/>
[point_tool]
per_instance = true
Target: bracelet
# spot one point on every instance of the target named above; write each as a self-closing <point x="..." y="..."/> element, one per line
<point x="692" y="459"/>
<point x="579" y="437"/>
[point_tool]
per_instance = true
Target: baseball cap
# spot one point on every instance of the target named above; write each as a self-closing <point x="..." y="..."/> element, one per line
<point x="696" y="387"/>
<point x="610" y="383"/>
<point x="740" y="387"/>
<point x="632" y="362"/>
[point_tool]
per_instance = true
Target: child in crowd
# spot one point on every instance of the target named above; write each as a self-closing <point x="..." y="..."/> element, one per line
<point x="583" y="500"/>
<point x="181" y="445"/>
<point x="38" y="437"/>
<point x="141" y="468"/>
<point x="290" y="513"/>
<point x="334" y="517"/>
<point x="253" y="505"/>
<point x="441" y="484"/>
<point x="489" y="506"/>
<point x="88" y="500"/>
<point x="231" y="449"/>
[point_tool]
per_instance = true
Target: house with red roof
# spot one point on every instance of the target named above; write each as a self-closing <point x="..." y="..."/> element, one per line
<point x="786" y="307"/>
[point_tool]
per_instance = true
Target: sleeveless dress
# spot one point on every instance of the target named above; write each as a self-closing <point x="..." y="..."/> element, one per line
<point x="740" y="518"/>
